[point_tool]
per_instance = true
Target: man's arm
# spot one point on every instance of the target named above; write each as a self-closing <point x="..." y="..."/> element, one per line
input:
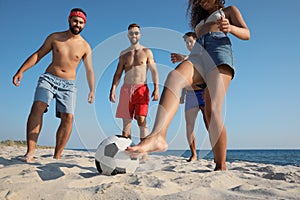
<point x="87" y="60"/>
<point x="116" y="79"/>
<point x="152" y="66"/>
<point x="33" y="59"/>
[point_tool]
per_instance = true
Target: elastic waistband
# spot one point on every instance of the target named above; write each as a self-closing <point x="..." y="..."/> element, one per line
<point x="47" y="74"/>
<point x="134" y="85"/>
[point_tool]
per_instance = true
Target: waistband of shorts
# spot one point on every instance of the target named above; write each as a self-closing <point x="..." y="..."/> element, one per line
<point x="58" y="78"/>
<point x="219" y="33"/>
<point x="133" y="85"/>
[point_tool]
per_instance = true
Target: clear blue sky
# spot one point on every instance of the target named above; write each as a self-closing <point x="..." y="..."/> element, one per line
<point x="262" y="105"/>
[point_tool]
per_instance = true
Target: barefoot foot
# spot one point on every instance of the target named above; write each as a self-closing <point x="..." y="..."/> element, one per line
<point x="57" y="157"/>
<point x="220" y="167"/>
<point x="152" y="143"/>
<point x="27" y="158"/>
<point x="192" y="158"/>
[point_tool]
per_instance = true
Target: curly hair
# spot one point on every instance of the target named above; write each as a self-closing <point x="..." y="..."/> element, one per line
<point x="197" y="13"/>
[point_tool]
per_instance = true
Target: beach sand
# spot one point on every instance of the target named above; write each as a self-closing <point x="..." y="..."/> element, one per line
<point x="161" y="177"/>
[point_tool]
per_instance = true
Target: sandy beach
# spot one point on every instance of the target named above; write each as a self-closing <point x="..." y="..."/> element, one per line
<point x="161" y="177"/>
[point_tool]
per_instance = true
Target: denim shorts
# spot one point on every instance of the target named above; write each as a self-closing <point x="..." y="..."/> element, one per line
<point x="194" y="99"/>
<point x="211" y="50"/>
<point x="63" y="91"/>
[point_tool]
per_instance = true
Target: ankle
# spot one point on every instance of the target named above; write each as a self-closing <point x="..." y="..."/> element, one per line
<point x="220" y="167"/>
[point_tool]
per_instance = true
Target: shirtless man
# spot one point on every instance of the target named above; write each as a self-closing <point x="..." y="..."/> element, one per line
<point x="194" y="98"/>
<point x="68" y="49"/>
<point x="134" y="94"/>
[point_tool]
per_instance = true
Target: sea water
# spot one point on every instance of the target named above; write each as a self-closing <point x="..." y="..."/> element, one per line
<point x="281" y="157"/>
<point x="277" y="157"/>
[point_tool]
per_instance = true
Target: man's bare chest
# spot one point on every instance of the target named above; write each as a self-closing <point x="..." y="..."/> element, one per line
<point x="135" y="58"/>
<point x="68" y="50"/>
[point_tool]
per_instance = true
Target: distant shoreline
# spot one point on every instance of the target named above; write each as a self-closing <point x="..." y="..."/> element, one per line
<point x="280" y="157"/>
<point x="24" y="144"/>
<point x="21" y="143"/>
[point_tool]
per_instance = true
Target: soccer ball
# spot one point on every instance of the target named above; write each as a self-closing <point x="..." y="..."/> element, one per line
<point x="111" y="158"/>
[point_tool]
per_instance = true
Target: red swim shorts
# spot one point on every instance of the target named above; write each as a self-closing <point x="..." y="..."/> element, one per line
<point x="134" y="100"/>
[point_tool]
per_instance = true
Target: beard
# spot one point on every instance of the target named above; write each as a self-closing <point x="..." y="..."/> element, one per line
<point x="134" y="41"/>
<point x="73" y="30"/>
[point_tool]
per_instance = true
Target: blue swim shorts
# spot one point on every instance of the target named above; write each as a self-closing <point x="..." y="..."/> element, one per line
<point x="194" y="99"/>
<point x="63" y="91"/>
<point x="211" y="50"/>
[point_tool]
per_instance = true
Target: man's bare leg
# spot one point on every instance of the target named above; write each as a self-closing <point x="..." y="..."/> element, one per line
<point x="190" y="118"/>
<point x="193" y="151"/>
<point x="179" y="78"/>
<point x="126" y="132"/>
<point x="144" y="132"/>
<point x="63" y="134"/>
<point x="34" y="126"/>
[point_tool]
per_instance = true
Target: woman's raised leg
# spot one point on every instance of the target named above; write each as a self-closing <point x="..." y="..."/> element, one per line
<point x="179" y="78"/>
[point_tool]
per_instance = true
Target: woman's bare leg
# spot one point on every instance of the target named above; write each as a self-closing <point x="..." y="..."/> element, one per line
<point x="179" y="78"/>
<point x="217" y="82"/>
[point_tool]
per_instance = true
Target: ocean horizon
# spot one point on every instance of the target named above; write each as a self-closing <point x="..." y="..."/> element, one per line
<point x="280" y="157"/>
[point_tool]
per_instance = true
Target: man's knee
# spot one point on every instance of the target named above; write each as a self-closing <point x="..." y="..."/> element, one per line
<point x="141" y="120"/>
<point x="38" y="108"/>
<point x="67" y="117"/>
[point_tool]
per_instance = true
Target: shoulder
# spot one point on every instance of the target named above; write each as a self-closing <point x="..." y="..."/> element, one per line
<point x="147" y="51"/>
<point x="86" y="44"/>
<point x="56" y="35"/>
<point x="52" y="36"/>
<point x="149" y="54"/>
<point x="230" y="9"/>
<point x="123" y="52"/>
<point x="231" y="12"/>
